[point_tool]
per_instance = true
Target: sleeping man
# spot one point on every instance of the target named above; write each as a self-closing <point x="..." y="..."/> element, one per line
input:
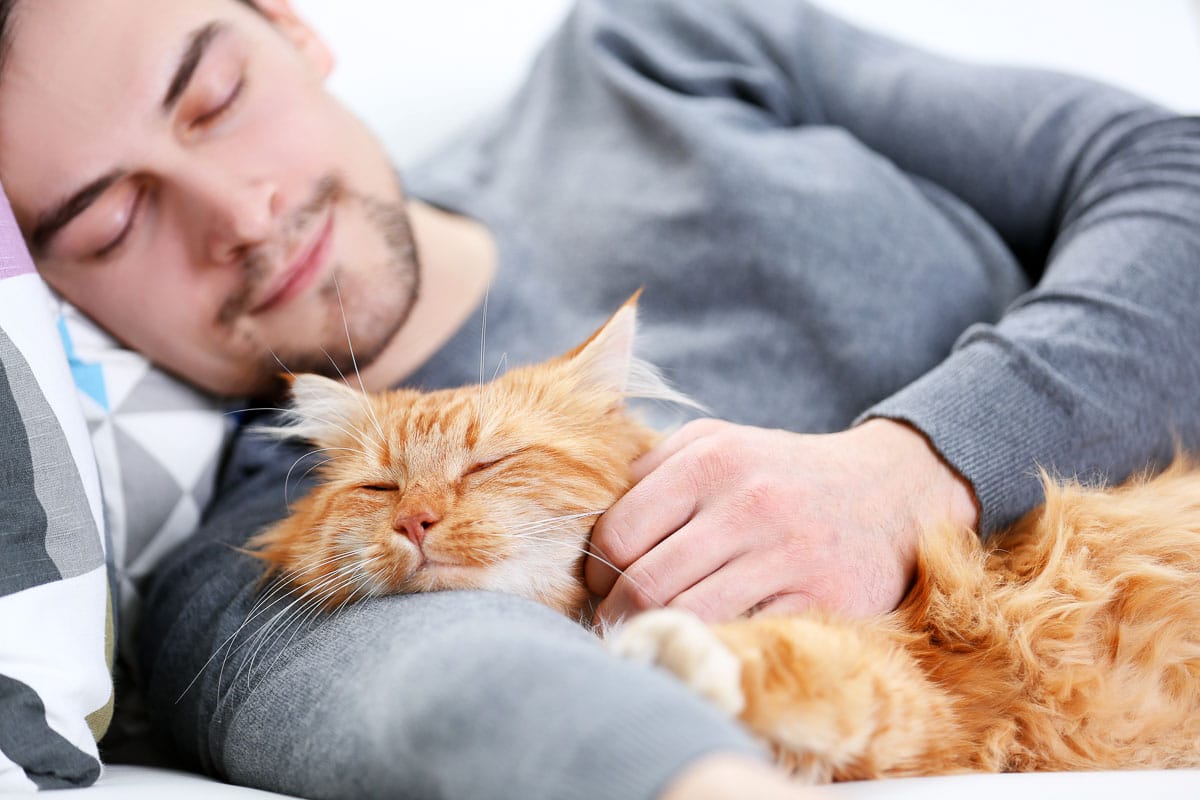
<point x="903" y="284"/>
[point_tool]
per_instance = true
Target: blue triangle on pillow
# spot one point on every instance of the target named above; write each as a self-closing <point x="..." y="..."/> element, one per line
<point x="88" y="376"/>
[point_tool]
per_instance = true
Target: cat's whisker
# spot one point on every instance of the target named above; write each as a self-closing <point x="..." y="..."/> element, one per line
<point x="261" y="636"/>
<point x="315" y="595"/>
<point x="311" y="609"/>
<point x="571" y="516"/>
<point x="553" y="521"/>
<point x="479" y="410"/>
<point x="354" y="360"/>
<point x="261" y="609"/>
<point x="537" y="537"/>
<point x="279" y="361"/>
<point x="248" y="409"/>
<point x="364" y="569"/>
<point x="293" y="414"/>
<point x="365" y="400"/>
<point x="260" y="606"/>
<point x="287" y="479"/>
<point x="276" y="627"/>
<point x="500" y="365"/>
<point x="264" y="602"/>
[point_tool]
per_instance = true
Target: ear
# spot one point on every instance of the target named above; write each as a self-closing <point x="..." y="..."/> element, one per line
<point x="605" y="360"/>
<point x="322" y="410"/>
<point x="281" y="14"/>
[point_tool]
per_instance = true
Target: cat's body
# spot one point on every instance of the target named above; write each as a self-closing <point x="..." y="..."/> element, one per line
<point x="1070" y="642"/>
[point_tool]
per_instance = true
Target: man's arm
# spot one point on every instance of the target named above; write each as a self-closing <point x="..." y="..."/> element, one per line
<point x="447" y="694"/>
<point x="1092" y="372"/>
<point x="1096" y="191"/>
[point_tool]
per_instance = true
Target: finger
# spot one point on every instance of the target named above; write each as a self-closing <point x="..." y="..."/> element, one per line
<point x="634" y="526"/>
<point x="740" y="585"/>
<point x="696" y="429"/>
<point x="657" y="506"/>
<point x="676" y="564"/>
<point x="783" y="605"/>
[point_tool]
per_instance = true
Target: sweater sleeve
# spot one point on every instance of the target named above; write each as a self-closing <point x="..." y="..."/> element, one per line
<point x="1095" y="371"/>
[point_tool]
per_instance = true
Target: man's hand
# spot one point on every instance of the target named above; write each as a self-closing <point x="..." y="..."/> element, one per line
<point x="725" y="519"/>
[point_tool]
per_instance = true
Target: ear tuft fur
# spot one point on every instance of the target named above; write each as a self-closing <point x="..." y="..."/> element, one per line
<point x="322" y="410"/>
<point x="607" y="362"/>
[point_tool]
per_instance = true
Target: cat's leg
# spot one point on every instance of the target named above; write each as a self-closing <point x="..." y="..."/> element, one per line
<point x="686" y="647"/>
<point x="836" y="700"/>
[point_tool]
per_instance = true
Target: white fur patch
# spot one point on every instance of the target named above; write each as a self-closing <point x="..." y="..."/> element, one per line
<point x="683" y="645"/>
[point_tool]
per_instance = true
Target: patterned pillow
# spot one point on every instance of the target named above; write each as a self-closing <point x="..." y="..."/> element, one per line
<point x="56" y="620"/>
<point x="158" y="444"/>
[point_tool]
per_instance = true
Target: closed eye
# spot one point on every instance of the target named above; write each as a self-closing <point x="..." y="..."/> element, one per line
<point x="380" y="487"/>
<point x="131" y="219"/>
<point x="487" y="463"/>
<point x="209" y="117"/>
<point x="480" y="466"/>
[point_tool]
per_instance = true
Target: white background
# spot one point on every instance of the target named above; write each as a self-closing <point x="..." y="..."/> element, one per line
<point x="416" y="69"/>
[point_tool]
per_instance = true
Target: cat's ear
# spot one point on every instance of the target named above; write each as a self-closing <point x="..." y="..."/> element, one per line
<point x="322" y="410"/>
<point x="606" y="361"/>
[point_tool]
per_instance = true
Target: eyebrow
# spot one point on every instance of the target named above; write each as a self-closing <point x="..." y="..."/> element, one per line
<point x="51" y="222"/>
<point x="198" y="42"/>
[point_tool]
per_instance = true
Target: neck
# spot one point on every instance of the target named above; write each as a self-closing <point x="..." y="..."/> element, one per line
<point x="458" y="260"/>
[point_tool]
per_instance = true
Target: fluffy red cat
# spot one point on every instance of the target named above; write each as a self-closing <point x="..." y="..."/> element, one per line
<point x="1071" y="641"/>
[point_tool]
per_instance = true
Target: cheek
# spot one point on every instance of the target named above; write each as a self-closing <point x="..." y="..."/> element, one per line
<point x="299" y="134"/>
<point x="363" y="520"/>
<point x="525" y="518"/>
<point x="357" y="536"/>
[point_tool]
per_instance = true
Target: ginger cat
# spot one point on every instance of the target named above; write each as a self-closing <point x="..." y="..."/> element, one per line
<point x="1071" y="641"/>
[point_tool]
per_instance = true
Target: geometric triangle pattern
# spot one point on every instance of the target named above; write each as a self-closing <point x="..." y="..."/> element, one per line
<point x="158" y="443"/>
<point x="150" y="492"/>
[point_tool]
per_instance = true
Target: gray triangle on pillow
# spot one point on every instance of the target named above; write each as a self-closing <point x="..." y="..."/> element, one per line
<point x="156" y="392"/>
<point x="149" y="491"/>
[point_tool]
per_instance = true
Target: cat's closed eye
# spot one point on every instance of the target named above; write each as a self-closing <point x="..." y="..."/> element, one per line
<point x="485" y="464"/>
<point x="380" y="487"/>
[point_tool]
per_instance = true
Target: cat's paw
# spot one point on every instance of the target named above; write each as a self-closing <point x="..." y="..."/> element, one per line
<point x="682" y="644"/>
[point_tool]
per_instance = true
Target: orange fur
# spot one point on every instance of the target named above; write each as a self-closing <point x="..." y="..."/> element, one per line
<point x="1071" y="641"/>
<point x="515" y="473"/>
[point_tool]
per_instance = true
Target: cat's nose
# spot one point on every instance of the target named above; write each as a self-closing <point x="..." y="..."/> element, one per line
<point x="415" y="524"/>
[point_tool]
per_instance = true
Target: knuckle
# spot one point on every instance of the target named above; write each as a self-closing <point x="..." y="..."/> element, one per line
<point x="763" y="500"/>
<point x="718" y="459"/>
<point x="700" y="607"/>
<point x="640" y="589"/>
<point x="612" y="541"/>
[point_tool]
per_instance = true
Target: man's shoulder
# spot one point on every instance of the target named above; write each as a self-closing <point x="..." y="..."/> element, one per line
<point x="686" y="30"/>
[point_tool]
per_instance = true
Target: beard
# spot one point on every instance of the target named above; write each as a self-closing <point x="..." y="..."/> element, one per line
<point x="365" y="315"/>
<point x="365" y="306"/>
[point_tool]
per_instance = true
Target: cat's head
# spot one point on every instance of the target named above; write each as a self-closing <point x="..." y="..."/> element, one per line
<point x="483" y="487"/>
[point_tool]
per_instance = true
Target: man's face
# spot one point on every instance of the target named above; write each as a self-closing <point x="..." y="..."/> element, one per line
<point x="184" y="178"/>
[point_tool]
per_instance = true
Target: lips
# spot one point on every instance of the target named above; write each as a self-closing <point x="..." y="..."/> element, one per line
<point x="301" y="271"/>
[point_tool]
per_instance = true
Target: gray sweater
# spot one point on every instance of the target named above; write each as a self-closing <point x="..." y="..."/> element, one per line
<point x="827" y="226"/>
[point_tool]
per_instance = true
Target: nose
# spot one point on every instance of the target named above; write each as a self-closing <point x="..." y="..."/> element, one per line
<point x="239" y="213"/>
<point x="415" y="523"/>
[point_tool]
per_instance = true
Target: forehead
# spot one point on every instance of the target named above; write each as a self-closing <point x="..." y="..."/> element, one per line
<point x="80" y="79"/>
